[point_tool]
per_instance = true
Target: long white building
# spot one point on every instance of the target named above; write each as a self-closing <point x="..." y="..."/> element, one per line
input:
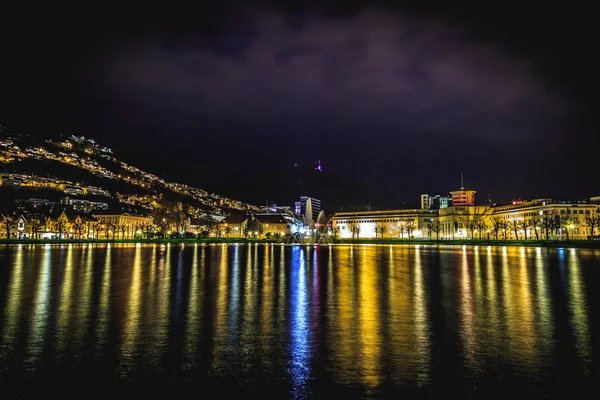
<point x="535" y="219"/>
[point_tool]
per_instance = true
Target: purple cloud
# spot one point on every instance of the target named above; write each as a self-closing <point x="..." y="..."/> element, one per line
<point x="397" y="72"/>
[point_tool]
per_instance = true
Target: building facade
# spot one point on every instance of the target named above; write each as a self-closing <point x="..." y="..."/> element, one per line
<point x="125" y="225"/>
<point x="535" y="219"/>
<point x="401" y="224"/>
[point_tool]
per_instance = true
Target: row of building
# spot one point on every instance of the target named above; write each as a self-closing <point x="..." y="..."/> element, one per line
<point x="69" y="224"/>
<point x="36" y="182"/>
<point x="85" y="219"/>
<point x="444" y="218"/>
<point x="458" y="217"/>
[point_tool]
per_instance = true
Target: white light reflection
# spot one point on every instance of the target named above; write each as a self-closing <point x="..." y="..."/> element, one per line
<point x="299" y="347"/>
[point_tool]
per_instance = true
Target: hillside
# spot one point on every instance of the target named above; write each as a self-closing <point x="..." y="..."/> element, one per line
<point x="76" y="165"/>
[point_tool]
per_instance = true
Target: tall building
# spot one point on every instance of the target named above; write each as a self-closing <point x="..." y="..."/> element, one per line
<point x="425" y="202"/>
<point x="298" y="208"/>
<point x="429" y="202"/>
<point x="463" y="197"/>
<point x="445" y="202"/>
<point x="309" y="209"/>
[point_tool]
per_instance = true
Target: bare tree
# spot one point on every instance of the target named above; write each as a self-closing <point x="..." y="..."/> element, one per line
<point x="482" y="225"/>
<point x="382" y="228"/>
<point x="88" y="225"/>
<point x="505" y="227"/>
<point x="524" y="224"/>
<point x="535" y="223"/>
<point x="354" y="229"/>
<point x="496" y="226"/>
<point x="78" y="227"/>
<point x="401" y="229"/>
<point x="35" y="225"/>
<point x="515" y="225"/>
<point x="61" y="227"/>
<point x="548" y="223"/>
<point x="96" y="228"/>
<point x="429" y="229"/>
<point x="8" y="223"/>
<point x="114" y="229"/>
<point x="410" y="227"/>
<point x="335" y="232"/>
<point x="471" y="226"/>
<point x="436" y="226"/>
<point x="148" y="230"/>
<point x="592" y="221"/>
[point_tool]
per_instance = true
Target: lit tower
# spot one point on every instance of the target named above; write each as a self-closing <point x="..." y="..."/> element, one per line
<point x="463" y="197"/>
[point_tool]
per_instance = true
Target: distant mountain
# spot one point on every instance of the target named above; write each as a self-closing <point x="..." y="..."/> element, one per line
<point x="78" y="165"/>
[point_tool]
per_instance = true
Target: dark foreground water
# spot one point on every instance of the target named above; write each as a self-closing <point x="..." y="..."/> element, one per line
<point x="298" y="321"/>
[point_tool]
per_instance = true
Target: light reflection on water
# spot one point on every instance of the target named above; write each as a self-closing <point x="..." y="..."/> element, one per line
<point x="303" y="321"/>
<point x="579" y="313"/>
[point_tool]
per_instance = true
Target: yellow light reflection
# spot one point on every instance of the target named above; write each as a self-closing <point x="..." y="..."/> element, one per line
<point x="195" y="308"/>
<point x="491" y="318"/>
<point x="524" y="305"/>
<point x="421" y="318"/>
<point x="131" y="329"/>
<point x="65" y="302"/>
<point x="163" y="301"/>
<point x="104" y="306"/>
<point x="13" y="301"/>
<point x="342" y="321"/>
<point x="369" y="318"/>
<point x="267" y="304"/>
<point x="467" y="317"/>
<point x="406" y="329"/>
<point x="521" y="340"/>
<point x="39" y="320"/>
<point x="579" y="313"/>
<point x="84" y="300"/>
<point x="249" y="298"/>
<point x="281" y="288"/>
<point x="545" y="324"/>
<point x="222" y="312"/>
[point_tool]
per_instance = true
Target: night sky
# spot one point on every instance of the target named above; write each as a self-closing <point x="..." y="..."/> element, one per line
<point x="244" y="99"/>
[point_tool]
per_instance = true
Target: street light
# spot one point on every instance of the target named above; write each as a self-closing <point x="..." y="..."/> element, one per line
<point x="571" y="227"/>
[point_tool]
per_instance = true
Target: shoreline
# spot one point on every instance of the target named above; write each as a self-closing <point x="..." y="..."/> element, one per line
<point x="585" y="244"/>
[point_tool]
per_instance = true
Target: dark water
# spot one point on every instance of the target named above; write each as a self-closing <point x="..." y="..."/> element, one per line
<point x="298" y="321"/>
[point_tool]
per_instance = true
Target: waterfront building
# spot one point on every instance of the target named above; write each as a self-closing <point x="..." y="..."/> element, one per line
<point x="258" y="224"/>
<point x="127" y="224"/>
<point x="402" y="224"/>
<point x="533" y="219"/>
<point x="569" y="218"/>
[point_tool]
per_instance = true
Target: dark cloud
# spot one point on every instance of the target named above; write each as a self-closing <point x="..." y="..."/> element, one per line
<point x="407" y="75"/>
